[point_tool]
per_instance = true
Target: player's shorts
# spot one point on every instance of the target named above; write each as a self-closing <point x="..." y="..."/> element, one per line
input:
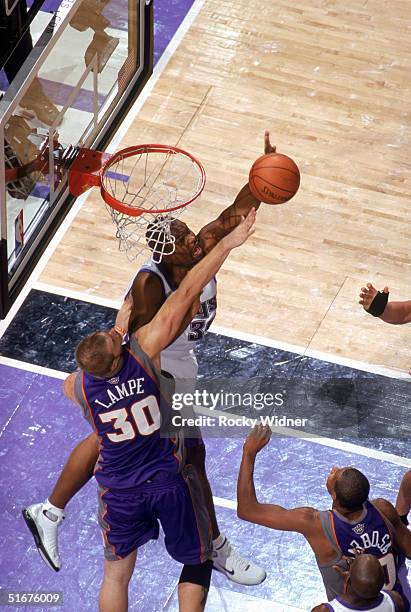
<point x="184" y="368"/>
<point x="131" y="517"/>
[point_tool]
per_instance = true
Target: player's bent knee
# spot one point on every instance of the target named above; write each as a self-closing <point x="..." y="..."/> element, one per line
<point x="197" y="574"/>
<point x="120" y="570"/>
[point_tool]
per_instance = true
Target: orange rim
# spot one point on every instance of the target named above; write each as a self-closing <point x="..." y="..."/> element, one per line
<point x="147" y="148"/>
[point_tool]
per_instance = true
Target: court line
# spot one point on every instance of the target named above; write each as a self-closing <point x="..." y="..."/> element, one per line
<point x="239" y="335"/>
<point x="82" y="296"/>
<point x="32" y="367"/>
<point x="225" y="503"/>
<point x="348" y="447"/>
<point x="314" y="354"/>
<point x="286" y="431"/>
<point x="132" y="114"/>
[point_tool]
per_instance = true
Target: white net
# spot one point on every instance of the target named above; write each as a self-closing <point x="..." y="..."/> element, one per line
<point x="149" y="185"/>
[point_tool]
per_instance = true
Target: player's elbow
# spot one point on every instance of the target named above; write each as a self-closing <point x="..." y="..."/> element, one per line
<point x="246" y="510"/>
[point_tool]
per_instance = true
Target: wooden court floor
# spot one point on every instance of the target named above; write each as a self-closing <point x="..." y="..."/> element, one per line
<point x="331" y="81"/>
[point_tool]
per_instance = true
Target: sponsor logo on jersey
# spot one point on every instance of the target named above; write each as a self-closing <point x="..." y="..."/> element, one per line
<point x="359" y="528"/>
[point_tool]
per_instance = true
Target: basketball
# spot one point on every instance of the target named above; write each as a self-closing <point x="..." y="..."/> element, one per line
<point x="274" y="178"/>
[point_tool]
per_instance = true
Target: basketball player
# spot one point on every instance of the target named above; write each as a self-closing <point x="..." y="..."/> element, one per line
<point x="353" y="523"/>
<point x="363" y="583"/>
<point x="150" y="288"/>
<point x="403" y="503"/>
<point x="138" y="473"/>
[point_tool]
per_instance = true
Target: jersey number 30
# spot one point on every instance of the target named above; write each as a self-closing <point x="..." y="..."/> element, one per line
<point x="146" y="419"/>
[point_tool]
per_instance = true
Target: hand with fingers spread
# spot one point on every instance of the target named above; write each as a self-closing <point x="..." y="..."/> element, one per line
<point x="371" y="299"/>
<point x="258" y="437"/>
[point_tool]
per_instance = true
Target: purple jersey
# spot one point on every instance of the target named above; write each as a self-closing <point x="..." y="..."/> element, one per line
<point x="126" y="411"/>
<point x="371" y="534"/>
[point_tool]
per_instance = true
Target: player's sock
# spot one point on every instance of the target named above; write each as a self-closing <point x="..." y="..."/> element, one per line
<point x="52" y="512"/>
<point x="43" y="520"/>
<point x="229" y="562"/>
<point x="219" y="541"/>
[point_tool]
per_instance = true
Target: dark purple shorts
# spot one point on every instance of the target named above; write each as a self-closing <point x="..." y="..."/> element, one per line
<point x="129" y="518"/>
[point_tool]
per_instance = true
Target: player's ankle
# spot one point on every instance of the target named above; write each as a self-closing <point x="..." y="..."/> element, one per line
<point x="218" y="541"/>
<point x="53" y="508"/>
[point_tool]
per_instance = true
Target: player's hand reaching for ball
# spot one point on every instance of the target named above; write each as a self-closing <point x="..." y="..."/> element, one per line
<point x="242" y="232"/>
<point x="258" y="437"/>
<point x="268" y="147"/>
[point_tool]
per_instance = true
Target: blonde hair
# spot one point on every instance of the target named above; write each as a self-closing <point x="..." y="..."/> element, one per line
<point x="93" y="354"/>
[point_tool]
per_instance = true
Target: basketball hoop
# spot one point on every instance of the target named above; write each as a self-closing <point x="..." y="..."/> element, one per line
<point x="144" y="187"/>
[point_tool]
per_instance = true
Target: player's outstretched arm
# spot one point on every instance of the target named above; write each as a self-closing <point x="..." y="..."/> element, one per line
<point x="158" y="334"/>
<point x="231" y="216"/>
<point x="402" y="536"/>
<point x="148" y="297"/>
<point x="403" y="503"/>
<point x="376" y="303"/>
<point x="249" y="508"/>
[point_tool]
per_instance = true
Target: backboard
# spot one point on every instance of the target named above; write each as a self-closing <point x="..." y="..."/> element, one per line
<point x="90" y="60"/>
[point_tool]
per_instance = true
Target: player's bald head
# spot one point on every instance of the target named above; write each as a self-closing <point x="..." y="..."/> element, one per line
<point x="366" y="576"/>
<point x="351" y="488"/>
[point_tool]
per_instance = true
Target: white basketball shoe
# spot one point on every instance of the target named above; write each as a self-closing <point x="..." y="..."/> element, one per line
<point x="43" y="520"/>
<point x="229" y="562"/>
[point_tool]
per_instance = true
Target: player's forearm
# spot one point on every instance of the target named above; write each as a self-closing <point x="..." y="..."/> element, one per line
<point x="244" y="202"/>
<point x="397" y="313"/>
<point x="246" y="496"/>
<point x="231" y="216"/>
<point x="197" y="278"/>
<point x="185" y="322"/>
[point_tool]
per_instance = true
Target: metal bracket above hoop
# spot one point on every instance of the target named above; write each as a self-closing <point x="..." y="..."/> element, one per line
<point x="85" y="171"/>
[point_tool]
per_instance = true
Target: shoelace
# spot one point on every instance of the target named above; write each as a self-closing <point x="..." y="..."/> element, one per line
<point x="238" y="561"/>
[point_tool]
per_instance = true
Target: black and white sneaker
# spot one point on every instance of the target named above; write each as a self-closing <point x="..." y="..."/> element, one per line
<point x="237" y="569"/>
<point x="43" y="520"/>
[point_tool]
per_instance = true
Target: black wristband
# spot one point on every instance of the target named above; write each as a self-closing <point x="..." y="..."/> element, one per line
<point x="378" y="304"/>
<point x="404" y="519"/>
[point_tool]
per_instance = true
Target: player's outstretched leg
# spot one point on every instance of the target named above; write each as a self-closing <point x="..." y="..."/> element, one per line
<point x="114" y="590"/>
<point x="44" y="519"/>
<point x="225" y="558"/>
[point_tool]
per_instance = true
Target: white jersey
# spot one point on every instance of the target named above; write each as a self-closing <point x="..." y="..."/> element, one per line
<point x="384" y="604"/>
<point x="179" y="358"/>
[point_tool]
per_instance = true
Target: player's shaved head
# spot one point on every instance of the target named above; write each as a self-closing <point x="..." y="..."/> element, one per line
<point x="94" y="354"/>
<point x="366" y="576"/>
<point x="351" y="488"/>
